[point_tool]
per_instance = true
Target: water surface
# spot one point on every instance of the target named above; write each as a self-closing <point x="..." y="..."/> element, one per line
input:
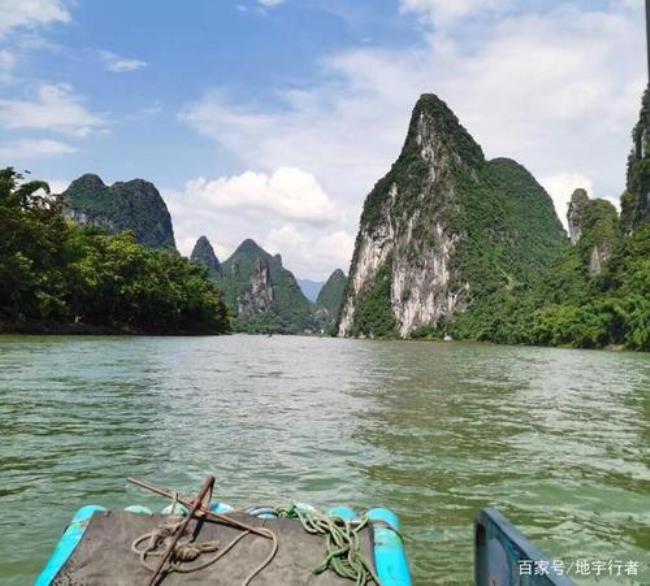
<point x="558" y="440"/>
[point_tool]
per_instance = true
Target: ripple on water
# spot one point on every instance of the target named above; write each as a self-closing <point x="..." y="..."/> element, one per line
<point x="559" y="440"/>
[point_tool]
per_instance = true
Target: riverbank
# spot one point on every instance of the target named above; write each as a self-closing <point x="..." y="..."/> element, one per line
<point x="49" y="328"/>
<point x="80" y="329"/>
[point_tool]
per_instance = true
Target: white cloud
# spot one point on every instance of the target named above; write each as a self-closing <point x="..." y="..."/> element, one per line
<point x="117" y="64"/>
<point x="561" y="186"/>
<point x="31" y="13"/>
<point x="557" y="90"/>
<point x="28" y="150"/>
<point x="270" y="3"/>
<point x="56" y="108"/>
<point x="444" y="12"/>
<point x="58" y="185"/>
<point x="310" y="255"/>
<point x="288" y="193"/>
<point x="286" y="212"/>
<point x="286" y="237"/>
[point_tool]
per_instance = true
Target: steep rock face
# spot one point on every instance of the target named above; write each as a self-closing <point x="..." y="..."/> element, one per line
<point x="258" y="297"/>
<point x="203" y="254"/>
<point x="635" y="203"/>
<point x="330" y="297"/>
<point x="133" y="205"/>
<point x="594" y="227"/>
<point x="579" y="200"/>
<point x="443" y="229"/>
<point x="261" y="294"/>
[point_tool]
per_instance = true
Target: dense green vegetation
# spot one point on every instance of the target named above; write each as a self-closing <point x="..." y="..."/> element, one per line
<point x="132" y="205"/>
<point x="374" y="316"/>
<point x="203" y="254"/>
<point x="578" y="302"/>
<point x="288" y="311"/>
<point x="58" y="277"/>
<point x="570" y="307"/>
<point x="329" y="300"/>
<point x="510" y="226"/>
<point x="635" y="203"/>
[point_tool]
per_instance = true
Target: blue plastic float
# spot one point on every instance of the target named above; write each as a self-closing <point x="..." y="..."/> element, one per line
<point x="390" y="558"/>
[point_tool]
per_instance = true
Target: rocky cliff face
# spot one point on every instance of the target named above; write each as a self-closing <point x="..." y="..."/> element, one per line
<point x="133" y="205"/>
<point x="261" y="294"/>
<point x="579" y="200"/>
<point x="443" y="229"/>
<point x="635" y="203"/>
<point x="594" y="226"/>
<point x="203" y="254"/>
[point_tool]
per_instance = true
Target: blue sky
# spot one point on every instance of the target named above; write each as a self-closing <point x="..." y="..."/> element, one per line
<point x="272" y="119"/>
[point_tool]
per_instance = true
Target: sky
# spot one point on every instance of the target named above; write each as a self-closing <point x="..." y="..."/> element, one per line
<point x="273" y="119"/>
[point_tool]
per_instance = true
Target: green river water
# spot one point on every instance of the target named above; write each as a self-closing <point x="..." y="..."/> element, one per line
<point x="559" y="440"/>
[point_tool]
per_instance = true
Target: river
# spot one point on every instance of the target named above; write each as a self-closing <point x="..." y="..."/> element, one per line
<point x="559" y="440"/>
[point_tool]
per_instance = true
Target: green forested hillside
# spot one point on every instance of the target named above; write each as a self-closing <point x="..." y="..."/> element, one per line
<point x="58" y="277"/>
<point x="331" y="294"/>
<point x="597" y="293"/>
<point x="328" y="302"/>
<point x="262" y="295"/>
<point x="132" y="205"/>
<point x="568" y="306"/>
<point x="444" y="232"/>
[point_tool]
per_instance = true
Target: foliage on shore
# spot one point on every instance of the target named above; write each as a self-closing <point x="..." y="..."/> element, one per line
<point x="571" y="308"/>
<point x="572" y="304"/>
<point x="58" y="277"/>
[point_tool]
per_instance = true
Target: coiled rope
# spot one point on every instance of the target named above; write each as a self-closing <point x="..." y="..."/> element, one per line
<point x="184" y="551"/>
<point x="344" y="555"/>
<point x="171" y="542"/>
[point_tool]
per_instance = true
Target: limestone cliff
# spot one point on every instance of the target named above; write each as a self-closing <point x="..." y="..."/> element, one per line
<point x="579" y="200"/>
<point x="203" y="254"/>
<point x="594" y="229"/>
<point x="133" y="205"/>
<point x="259" y="296"/>
<point x="444" y="229"/>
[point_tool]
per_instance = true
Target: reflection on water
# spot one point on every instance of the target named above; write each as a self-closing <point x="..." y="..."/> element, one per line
<point x="558" y="440"/>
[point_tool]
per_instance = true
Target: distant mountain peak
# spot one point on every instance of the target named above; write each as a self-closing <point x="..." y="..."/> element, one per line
<point x="87" y="181"/>
<point x="261" y="293"/>
<point x="437" y="136"/>
<point x="204" y="254"/>
<point x="249" y="244"/>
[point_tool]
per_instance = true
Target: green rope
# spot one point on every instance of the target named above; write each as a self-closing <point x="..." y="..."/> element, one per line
<point x="344" y="555"/>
